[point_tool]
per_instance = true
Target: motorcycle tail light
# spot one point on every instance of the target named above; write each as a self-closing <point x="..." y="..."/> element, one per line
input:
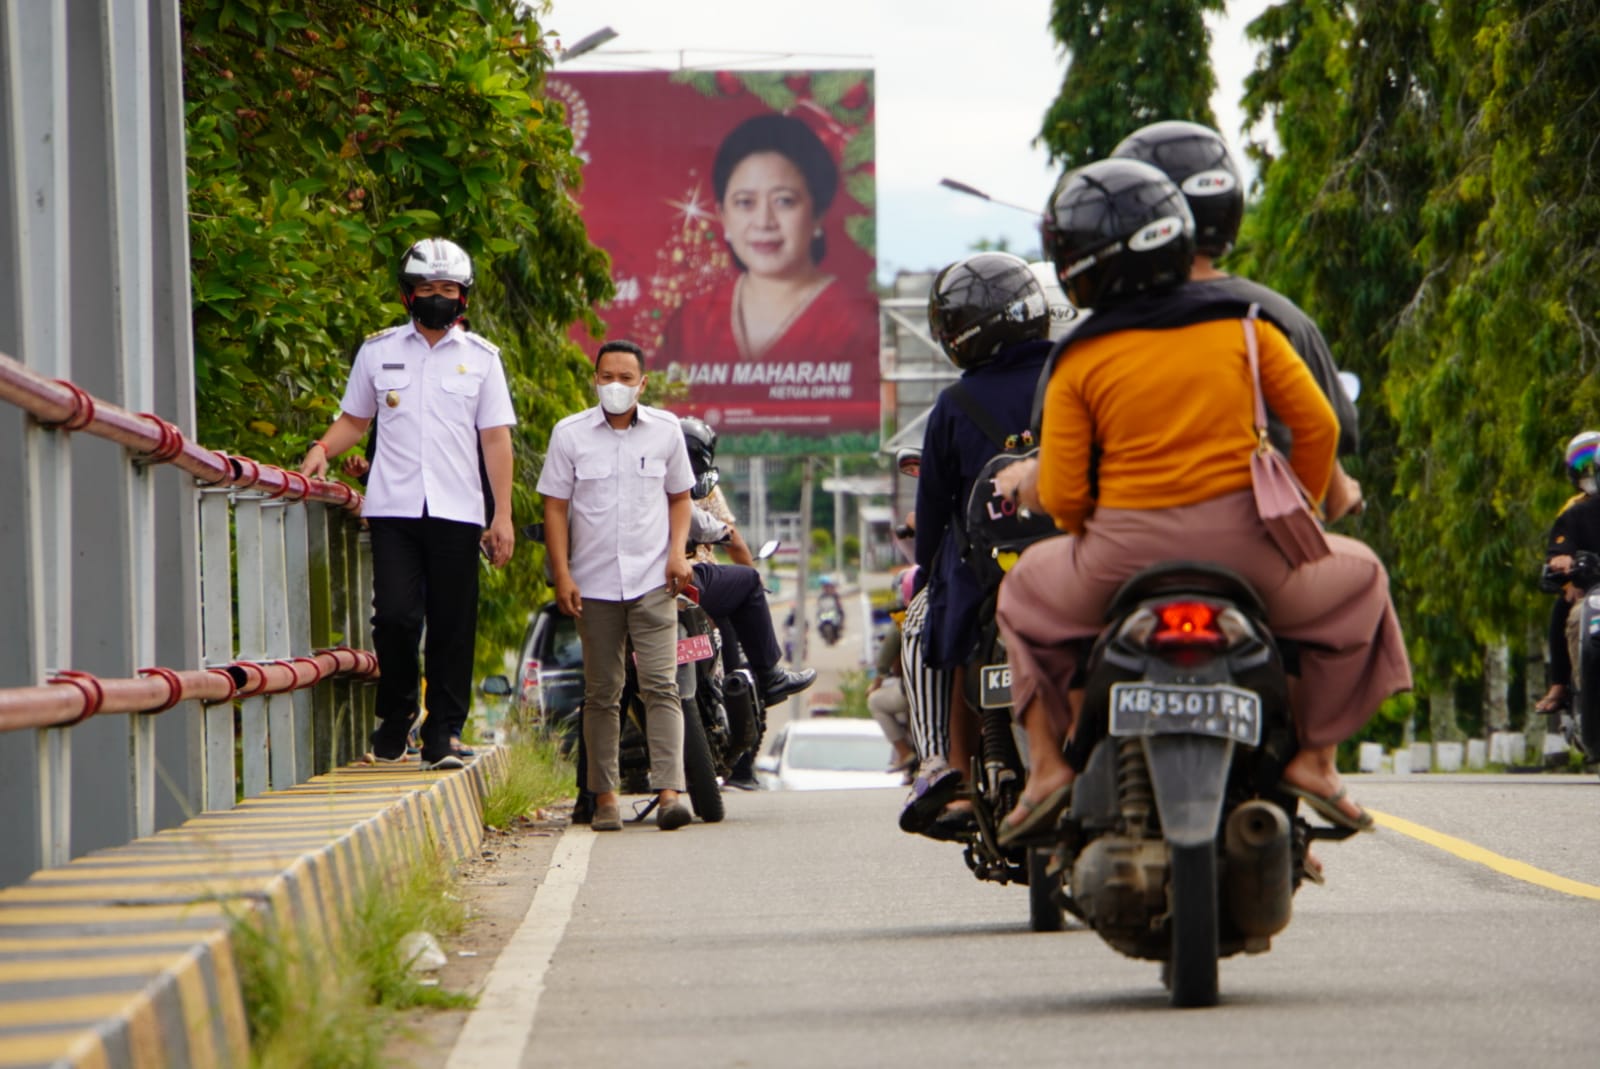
<point x="1186" y="625"/>
<point x="530" y="679"/>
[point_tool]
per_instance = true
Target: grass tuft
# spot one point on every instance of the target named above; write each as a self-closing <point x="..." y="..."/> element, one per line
<point x="334" y="1007"/>
<point x="537" y="774"/>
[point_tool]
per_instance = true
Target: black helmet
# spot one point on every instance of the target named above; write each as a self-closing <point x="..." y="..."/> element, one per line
<point x="1198" y="161"/>
<point x="1116" y="228"/>
<point x="983" y="304"/>
<point x="701" y="441"/>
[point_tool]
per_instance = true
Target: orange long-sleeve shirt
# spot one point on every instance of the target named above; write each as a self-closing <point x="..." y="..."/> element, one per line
<point x="1172" y="413"/>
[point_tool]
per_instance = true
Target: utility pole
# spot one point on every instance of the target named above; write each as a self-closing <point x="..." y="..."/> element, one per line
<point x="838" y="519"/>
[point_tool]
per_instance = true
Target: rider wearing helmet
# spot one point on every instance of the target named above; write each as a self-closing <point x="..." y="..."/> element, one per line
<point x="733" y="595"/>
<point x="1145" y="457"/>
<point x="438" y="393"/>
<point x="991" y="317"/>
<point x="1577" y="528"/>
<point x="1199" y="163"/>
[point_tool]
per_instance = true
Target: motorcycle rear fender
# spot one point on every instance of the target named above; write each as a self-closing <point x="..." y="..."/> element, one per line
<point x="1190" y="775"/>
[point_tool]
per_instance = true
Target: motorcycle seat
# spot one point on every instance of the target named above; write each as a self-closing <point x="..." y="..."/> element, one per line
<point x="1186" y="577"/>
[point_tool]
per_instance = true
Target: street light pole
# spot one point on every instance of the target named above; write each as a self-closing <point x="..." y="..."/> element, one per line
<point x="973" y="191"/>
<point x="587" y="44"/>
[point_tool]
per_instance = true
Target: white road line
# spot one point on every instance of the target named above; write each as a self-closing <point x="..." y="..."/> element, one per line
<point x="498" y="1030"/>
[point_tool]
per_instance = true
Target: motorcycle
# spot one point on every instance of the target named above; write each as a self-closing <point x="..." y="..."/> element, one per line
<point x="1579" y="721"/>
<point x="830" y="622"/>
<point x="1180" y="845"/>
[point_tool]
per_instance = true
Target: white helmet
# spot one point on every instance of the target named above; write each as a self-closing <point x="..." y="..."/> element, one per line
<point x="435" y="260"/>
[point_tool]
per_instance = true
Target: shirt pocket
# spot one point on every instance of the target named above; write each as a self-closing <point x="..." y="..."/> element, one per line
<point x="595" y="468"/>
<point x="462" y="384"/>
<point x="391" y="384"/>
<point x="653" y="467"/>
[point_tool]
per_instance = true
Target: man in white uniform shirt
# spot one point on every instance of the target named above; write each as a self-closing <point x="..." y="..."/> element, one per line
<point x="438" y="393"/>
<point x="616" y="484"/>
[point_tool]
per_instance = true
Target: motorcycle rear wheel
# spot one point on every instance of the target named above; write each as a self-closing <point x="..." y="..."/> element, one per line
<point x="1192" y="895"/>
<point x="698" y="770"/>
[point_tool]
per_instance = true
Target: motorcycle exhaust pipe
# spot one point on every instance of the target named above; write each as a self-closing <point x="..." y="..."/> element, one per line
<point x="1259" y="877"/>
<point x="738" y="696"/>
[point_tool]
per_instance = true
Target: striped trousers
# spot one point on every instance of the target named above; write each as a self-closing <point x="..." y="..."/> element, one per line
<point x="927" y="688"/>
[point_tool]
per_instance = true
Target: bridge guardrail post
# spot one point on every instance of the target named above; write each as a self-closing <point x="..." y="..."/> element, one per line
<point x="216" y="615"/>
<point x="251" y="643"/>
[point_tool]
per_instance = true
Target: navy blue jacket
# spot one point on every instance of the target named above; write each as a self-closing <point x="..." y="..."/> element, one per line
<point x="954" y="450"/>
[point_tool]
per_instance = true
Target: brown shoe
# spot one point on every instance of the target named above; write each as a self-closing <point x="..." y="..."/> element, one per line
<point x="674" y="816"/>
<point x="607" y="817"/>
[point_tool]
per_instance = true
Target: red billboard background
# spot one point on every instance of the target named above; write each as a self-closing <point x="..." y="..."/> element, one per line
<point x="774" y="361"/>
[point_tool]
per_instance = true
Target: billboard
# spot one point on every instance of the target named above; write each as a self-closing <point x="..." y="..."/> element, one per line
<point x="737" y="209"/>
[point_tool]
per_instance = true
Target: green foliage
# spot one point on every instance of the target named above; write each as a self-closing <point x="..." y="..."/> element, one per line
<point x="853" y="683"/>
<point x="1430" y="204"/>
<point x="324" y="138"/>
<point x="1129" y="64"/>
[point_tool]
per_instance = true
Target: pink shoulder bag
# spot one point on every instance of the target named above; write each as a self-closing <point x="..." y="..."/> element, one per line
<point x="1283" y="504"/>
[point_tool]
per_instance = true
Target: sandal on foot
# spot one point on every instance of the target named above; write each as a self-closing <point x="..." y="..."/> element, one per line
<point x="1038" y="817"/>
<point x="1327" y="807"/>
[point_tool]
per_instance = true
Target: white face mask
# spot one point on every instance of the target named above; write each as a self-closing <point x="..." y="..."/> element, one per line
<point x="616" y="397"/>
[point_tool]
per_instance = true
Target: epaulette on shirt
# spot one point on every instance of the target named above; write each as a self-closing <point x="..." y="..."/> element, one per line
<point x="483" y="343"/>
<point x="383" y="333"/>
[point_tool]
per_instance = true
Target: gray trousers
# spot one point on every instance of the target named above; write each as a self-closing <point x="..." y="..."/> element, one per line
<point x="651" y="620"/>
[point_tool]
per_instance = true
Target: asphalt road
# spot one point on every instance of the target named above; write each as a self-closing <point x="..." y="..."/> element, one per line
<point x="807" y="930"/>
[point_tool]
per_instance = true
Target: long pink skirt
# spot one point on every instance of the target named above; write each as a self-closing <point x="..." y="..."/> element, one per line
<point x="1352" y="654"/>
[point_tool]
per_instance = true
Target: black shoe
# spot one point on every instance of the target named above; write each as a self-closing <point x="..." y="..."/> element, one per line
<point x="742" y="783"/>
<point x="583" y="808"/>
<point x="388" y="741"/>
<point x="778" y="683"/>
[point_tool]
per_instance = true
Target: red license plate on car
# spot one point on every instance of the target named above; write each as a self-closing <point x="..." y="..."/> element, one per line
<point x="695" y="648"/>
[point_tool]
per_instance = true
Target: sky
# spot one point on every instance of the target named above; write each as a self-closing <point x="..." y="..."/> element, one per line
<point x="961" y="89"/>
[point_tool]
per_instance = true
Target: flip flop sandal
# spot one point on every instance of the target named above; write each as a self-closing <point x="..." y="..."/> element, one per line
<point x="1039" y="817"/>
<point x="1327" y="807"/>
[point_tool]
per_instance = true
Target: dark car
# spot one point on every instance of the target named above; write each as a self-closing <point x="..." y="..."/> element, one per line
<point x="550" y="671"/>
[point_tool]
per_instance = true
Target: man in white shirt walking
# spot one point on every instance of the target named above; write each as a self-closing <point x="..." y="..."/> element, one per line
<point x="616" y="484"/>
<point x="439" y="394"/>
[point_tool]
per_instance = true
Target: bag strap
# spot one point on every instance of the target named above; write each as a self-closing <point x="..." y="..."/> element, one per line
<point x="978" y="414"/>
<point x="1252" y="346"/>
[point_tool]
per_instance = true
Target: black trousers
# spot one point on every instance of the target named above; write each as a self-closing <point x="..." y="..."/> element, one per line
<point x="1556" y="636"/>
<point x="425" y="572"/>
<point x="732" y="595"/>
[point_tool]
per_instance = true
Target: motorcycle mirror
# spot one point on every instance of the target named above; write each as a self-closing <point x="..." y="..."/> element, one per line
<point x="909" y="461"/>
<point x="496" y="686"/>
<point x="768" y="548"/>
<point x="1351" y="383"/>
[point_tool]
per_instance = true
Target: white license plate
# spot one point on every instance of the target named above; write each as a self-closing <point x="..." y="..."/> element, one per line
<point x="1219" y="710"/>
<point x="694" y="648"/>
<point x="994" y="689"/>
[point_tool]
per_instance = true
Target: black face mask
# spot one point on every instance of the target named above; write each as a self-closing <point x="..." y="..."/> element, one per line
<point x="436" y="312"/>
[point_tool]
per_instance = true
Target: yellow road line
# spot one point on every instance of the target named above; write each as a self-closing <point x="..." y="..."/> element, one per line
<point x="1517" y="870"/>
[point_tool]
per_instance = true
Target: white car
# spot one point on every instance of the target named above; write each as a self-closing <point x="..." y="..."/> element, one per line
<point x="827" y="753"/>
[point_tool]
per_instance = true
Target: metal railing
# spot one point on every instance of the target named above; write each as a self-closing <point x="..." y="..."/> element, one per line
<point x="277" y="696"/>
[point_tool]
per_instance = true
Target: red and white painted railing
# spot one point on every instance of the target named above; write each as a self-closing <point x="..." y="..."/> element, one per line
<point x="60" y="404"/>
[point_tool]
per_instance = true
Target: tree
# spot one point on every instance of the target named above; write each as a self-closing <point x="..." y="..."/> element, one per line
<point x="324" y="137"/>
<point x="1129" y="64"/>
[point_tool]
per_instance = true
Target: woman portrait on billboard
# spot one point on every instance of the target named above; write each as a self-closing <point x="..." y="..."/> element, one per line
<point x="773" y="180"/>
